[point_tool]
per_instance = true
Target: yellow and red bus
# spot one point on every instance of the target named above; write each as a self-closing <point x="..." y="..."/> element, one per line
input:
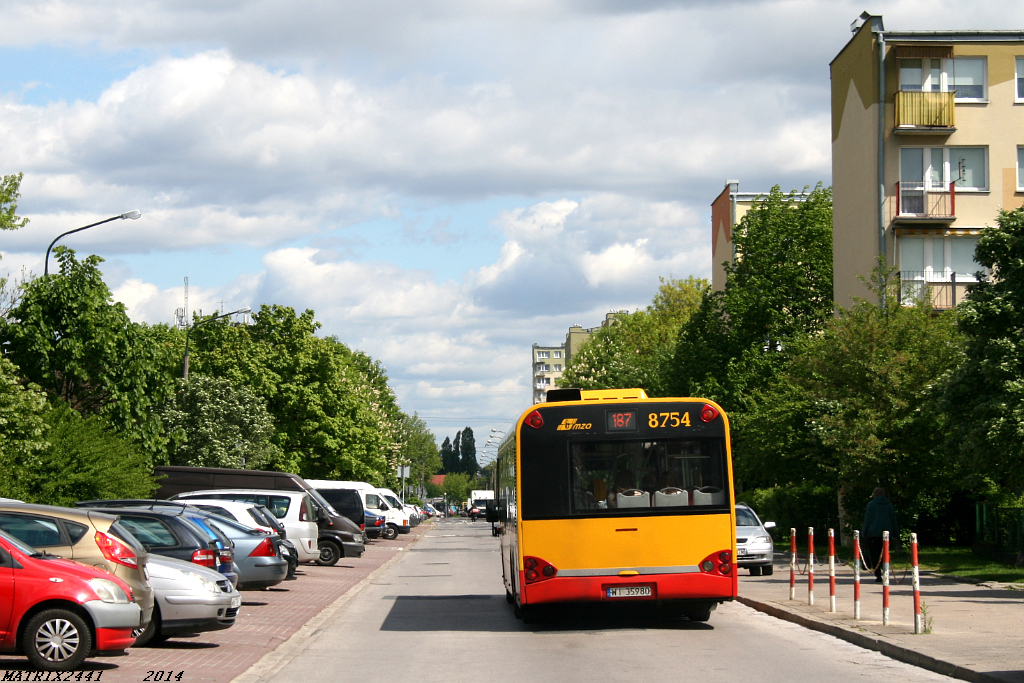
<point x="611" y="496"/>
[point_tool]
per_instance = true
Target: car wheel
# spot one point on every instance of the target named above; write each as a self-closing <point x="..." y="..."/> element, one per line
<point x="767" y="570"/>
<point x="755" y="571"/>
<point x="390" y="534"/>
<point x="145" y="635"/>
<point x="56" y="640"/>
<point x="330" y="553"/>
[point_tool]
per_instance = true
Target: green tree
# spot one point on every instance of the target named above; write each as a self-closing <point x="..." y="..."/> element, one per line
<point x="448" y="462"/>
<point x="212" y="423"/>
<point x="67" y="335"/>
<point x="419" y="450"/>
<point x="10" y="192"/>
<point x="335" y="415"/>
<point x="467" y="456"/>
<point x="456" y="487"/>
<point x="854" y="407"/>
<point x="984" y="398"/>
<point x="637" y="350"/>
<point x="83" y="460"/>
<point x="23" y="411"/>
<point x="777" y="289"/>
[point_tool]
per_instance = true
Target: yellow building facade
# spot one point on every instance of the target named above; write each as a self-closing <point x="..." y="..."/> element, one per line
<point x="927" y="147"/>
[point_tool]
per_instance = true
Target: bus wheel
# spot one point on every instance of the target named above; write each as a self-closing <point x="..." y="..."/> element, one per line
<point x="698" y="612"/>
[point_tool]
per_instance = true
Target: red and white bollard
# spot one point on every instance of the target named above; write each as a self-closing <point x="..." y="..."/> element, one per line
<point x="810" y="565"/>
<point x="792" y="563"/>
<point x="918" y="621"/>
<point x="856" y="575"/>
<point x="831" y="570"/>
<point x="885" y="578"/>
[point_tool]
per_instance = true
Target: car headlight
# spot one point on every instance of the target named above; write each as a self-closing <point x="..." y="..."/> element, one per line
<point x="108" y="591"/>
<point x="206" y="583"/>
<point x="763" y="539"/>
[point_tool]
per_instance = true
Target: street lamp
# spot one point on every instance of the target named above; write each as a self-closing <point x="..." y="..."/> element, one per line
<point x="189" y="333"/>
<point x="133" y="214"/>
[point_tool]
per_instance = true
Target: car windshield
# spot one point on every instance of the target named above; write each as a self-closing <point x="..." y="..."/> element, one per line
<point x="315" y="495"/>
<point x="746" y="517"/>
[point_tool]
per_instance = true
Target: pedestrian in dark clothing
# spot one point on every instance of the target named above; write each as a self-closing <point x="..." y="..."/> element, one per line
<point x="879" y="517"/>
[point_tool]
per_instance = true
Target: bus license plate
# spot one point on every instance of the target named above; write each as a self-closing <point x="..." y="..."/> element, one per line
<point x="629" y="592"/>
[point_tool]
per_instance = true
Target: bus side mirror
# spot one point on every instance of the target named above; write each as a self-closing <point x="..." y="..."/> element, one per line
<point x="492" y="512"/>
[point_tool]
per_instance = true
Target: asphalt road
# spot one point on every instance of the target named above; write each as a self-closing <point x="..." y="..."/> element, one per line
<point x="439" y="614"/>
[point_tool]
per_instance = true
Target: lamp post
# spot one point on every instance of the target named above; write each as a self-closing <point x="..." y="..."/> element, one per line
<point x="133" y="214"/>
<point x="188" y="334"/>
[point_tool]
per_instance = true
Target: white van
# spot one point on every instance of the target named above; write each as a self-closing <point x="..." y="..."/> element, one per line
<point x="293" y="508"/>
<point x="394" y="516"/>
<point x="410" y="512"/>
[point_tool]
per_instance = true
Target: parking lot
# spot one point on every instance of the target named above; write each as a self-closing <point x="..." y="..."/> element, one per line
<point x="267" y="619"/>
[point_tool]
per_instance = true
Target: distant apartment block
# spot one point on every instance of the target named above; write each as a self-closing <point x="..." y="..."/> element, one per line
<point x="927" y="146"/>
<point x="549" y="361"/>
<point x="548" y="365"/>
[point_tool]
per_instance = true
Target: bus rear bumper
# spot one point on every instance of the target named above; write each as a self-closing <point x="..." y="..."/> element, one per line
<point x="688" y="586"/>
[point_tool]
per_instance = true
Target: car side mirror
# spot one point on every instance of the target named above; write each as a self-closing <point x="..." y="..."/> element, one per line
<point x="383" y="507"/>
<point x="769" y="525"/>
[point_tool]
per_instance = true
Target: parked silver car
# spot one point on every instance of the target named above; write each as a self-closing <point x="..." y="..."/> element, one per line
<point x="754" y="547"/>
<point x="259" y="564"/>
<point x="189" y="599"/>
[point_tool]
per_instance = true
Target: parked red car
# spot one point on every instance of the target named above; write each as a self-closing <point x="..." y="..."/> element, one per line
<point x="57" y="612"/>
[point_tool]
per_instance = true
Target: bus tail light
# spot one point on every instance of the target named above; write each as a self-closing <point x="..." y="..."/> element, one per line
<point x="719" y="563"/>
<point x="708" y="413"/>
<point x="534" y="420"/>
<point x="538" y="569"/>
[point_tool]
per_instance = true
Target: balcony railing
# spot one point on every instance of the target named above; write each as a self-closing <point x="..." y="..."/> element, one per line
<point x="946" y="290"/>
<point x="916" y="200"/>
<point x="925" y="110"/>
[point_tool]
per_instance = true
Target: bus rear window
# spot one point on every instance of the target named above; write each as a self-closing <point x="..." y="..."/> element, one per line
<point x="617" y="476"/>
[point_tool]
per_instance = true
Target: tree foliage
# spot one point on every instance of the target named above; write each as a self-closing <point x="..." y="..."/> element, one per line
<point x="467" y="455"/>
<point x="456" y="487"/>
<point x="23" y="411"/>
<point x="448" y="461"/>
<point x="855" y="406"/>
<point x="419" y="450"/>
<point x="334" y="414"/>
<point x="778" y="288"/>
<point x="212" y="423"/>
<point x="984" y="398"/>
<point x="637" y="350"/>
<point x="83" y="460"/>
<point x="10" y="192"/>
<point x="67" y="335"/>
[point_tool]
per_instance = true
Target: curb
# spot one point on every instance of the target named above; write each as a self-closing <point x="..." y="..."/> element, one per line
<point x="889" y="649"/>
<point x="280" y="656"/>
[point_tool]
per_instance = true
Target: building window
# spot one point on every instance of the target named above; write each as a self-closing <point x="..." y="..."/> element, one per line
<point x="558" y="368"/>
<point x="1020" y="169"/>
<point x="965" y="75"/>
<point x="543" y="354"/>
<point x="1020" y="79"/>
<point x="541" y="367"/>
<point x="936" y="259"/>
<point x="933" y="168"/>
<point x="558" y="354"/>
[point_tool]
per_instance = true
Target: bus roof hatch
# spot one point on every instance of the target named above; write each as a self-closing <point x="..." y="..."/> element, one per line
<point x="612" y="394"/>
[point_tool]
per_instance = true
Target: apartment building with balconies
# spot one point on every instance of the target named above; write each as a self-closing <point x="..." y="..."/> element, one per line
<point x="927" y="147"/>
<point x="548" y="365"/>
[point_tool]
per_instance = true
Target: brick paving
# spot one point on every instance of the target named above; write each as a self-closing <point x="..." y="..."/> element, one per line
<point x="267" y="619"/>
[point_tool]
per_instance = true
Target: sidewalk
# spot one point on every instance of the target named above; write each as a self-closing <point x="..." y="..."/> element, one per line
<point x="976" y="628"/>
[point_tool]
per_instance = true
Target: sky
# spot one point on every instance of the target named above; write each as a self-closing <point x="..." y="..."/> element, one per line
<point x="444" y="182"/>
